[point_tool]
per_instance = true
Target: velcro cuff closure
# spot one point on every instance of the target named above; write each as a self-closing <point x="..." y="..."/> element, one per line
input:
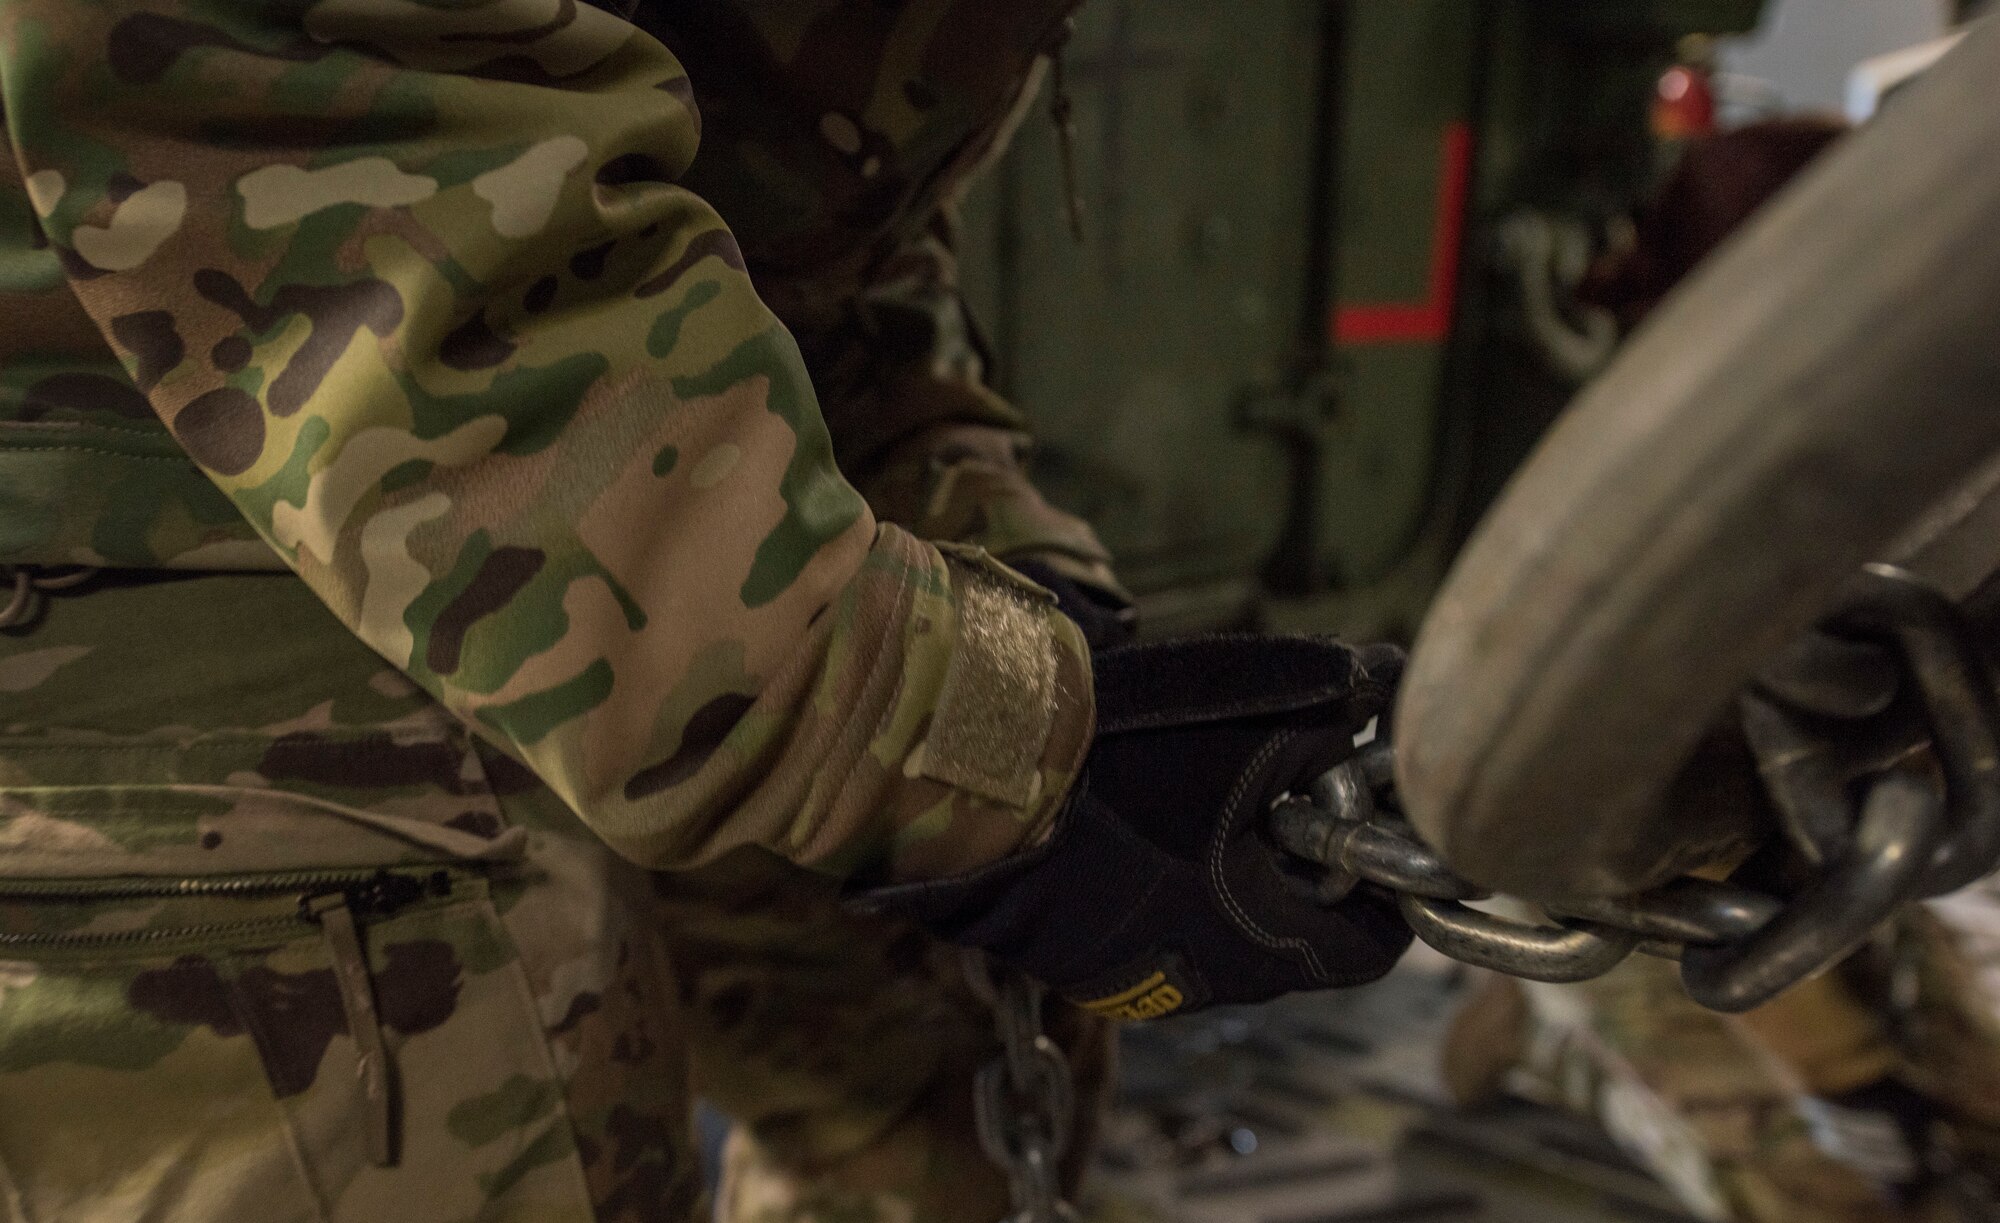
<point x="998" y="704"/>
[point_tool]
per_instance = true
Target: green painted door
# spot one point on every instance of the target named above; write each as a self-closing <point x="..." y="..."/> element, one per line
<point x="1289" y="360"/>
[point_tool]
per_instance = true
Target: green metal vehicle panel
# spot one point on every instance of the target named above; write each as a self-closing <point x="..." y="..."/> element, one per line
<point x="1285" y="368"/>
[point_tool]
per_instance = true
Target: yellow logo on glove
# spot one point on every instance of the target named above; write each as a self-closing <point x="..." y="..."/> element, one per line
<point x="1149" y="999"/>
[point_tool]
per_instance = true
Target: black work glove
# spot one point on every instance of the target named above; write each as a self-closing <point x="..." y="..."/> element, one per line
<point x="1160" y="890"/>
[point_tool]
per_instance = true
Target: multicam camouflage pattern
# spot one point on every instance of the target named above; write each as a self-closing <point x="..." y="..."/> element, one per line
<point x="541" y="1044"/>
<point x="835" y="1128"/>
<point x="191" y="1055"/>
<point x="1946" y="1030"/>
<point x="834" y="130"/>
<point x="417" y="287"/>
<point x="844" y="1048"/>
<point x="837" y="139"/>
<point x="1729" y="1126"/>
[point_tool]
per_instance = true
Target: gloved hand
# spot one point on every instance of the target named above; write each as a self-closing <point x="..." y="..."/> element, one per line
<point x="1160" y="890"/>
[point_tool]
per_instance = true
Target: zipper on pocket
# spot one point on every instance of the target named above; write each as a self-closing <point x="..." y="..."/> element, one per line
<point x="335" y="910"/>
<point x="375" y="1074"/>
<point x="373" y="893"/>
<point x="337" y="902"/>
<point x="379" y="885"/>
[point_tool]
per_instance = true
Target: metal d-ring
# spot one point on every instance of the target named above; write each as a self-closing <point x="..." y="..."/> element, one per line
<point x="21" y="605"/>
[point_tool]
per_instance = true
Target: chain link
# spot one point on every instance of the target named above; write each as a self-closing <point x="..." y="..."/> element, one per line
<point x="1024" y="1100"/>
<point x="1738" y="946"/>
<point x="1822" y="732"/>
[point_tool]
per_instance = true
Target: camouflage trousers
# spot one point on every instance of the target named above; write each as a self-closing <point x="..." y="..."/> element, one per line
<point x="844" y="1048"/>
<point x="279" y="940"/>
<point x="1737" y="1114"/>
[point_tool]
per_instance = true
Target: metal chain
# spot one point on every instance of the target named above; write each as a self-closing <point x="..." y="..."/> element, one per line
<point x="1905" y="839"/>
<point x="1024" y="1100"/>
<point x="1766" y="943"/>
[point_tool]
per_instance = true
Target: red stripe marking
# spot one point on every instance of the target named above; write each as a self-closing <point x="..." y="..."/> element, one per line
<point x="1428" y="321"/>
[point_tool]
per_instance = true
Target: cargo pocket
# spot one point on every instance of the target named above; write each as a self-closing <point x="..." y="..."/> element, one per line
<point x="232" y="977"/>
<point x="331" y="1045"/>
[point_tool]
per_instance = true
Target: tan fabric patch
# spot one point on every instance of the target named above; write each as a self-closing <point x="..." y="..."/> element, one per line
<point x="998" y="703"/>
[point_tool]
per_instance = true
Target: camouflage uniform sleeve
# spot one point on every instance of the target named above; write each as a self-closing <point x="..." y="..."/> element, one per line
<point x="416" y="284"/>
<point x="901" y="371"/>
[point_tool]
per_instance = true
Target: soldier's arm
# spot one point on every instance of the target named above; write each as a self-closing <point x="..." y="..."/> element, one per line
<point x="902" y="381"/>
<point x="416" y="286"/>
<point x="841" y="163"/>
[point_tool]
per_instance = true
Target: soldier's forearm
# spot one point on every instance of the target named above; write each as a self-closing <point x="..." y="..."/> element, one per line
<point x="928" y="443"/>
<point x="457" y="344"/>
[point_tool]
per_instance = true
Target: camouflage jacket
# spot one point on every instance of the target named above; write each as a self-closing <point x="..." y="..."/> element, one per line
<point x="836" y="140"/>
<point x="420" y="300"/>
